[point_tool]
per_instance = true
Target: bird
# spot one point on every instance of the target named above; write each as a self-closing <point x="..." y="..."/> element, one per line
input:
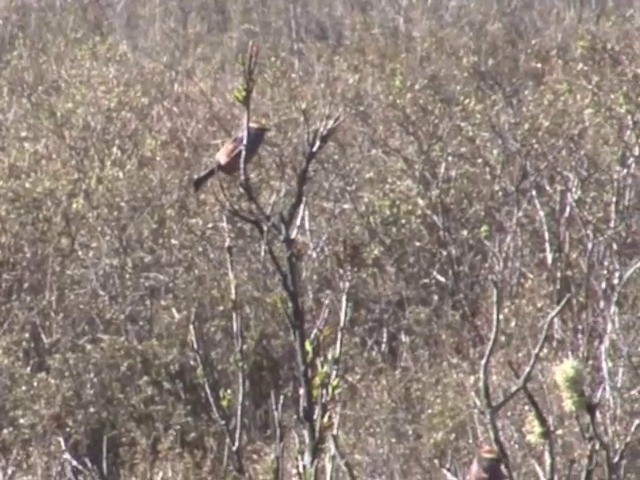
<point x="227" y="160"/>
<point x="486" y="465"/>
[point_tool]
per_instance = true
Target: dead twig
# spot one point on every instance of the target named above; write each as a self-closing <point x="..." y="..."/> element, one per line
<point x="492" y="408"/>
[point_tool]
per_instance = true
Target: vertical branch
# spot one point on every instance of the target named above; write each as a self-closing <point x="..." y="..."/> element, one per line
<point x="333" y="386"/>
<point x="336" y="452"/>
<point x="288" y="264"/>
<point x="278" y="454"/>
<point x="238" y="339"/>
<point x="600" y="440"/>
<point x="491" y="408"/>
<point x="548" y="250"/>
<point x="244" y="95"/>
<point x="618" y="461"/>
<point x="541" y="419"/>
<point x="297" y="323"/>
<point x="213" y="397"/>
<point x="294" y="34"/>
<point x="344" y="317"/>
<point x="316" y="140"/>
<point x="250" y="64"/>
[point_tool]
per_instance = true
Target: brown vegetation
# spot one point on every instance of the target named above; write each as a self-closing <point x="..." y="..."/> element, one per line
<point x="456" y="264"/>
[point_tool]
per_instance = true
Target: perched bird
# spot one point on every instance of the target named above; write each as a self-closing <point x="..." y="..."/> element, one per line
<point x="227" y="160"/>
<point x="486" y="465"/>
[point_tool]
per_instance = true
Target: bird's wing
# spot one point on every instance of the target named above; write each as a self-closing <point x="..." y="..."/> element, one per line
<point x="230" y="150"/>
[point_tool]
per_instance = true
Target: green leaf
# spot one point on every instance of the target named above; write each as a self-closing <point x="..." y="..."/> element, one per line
<point x="240" y="95"/>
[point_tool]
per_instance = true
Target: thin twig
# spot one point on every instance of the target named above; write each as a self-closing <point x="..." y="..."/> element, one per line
<point x="526" y="375"/>
<point x="541" y="419"/>
<point x="238" y="338"/>
<point x="620" y="456"/>
<point x="212" y="394"/>
<point x="285" y="224"/>
<point x="492" y="409"/>
<point x="278" y="454"/>
<point x="344" y="463"/>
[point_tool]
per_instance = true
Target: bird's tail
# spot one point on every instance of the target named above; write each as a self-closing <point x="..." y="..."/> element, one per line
<point x="199" y="182"/>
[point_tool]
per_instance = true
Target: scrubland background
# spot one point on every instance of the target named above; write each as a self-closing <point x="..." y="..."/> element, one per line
<point x="488" y="147"/>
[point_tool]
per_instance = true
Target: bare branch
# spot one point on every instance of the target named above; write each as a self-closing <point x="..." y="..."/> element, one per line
<point x="317" y="138"/>
<point x="484" y="365"/>
<point x="491" y="410"/>
<point x="526" y="376"/>
<point x="550" y="458"/>
<point x="212" y="394"/>
<point x="625" y="278"/>
<point x="450" y="470"/>
<point x="344" y="317"/>
<point x="238" y="338"/>
<point x="337" y="452"/>
<point x="617" y="461"/>
<point x="249" y="69"/>
<point x="285" y="224"/>
<point x="278" y="454"/>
